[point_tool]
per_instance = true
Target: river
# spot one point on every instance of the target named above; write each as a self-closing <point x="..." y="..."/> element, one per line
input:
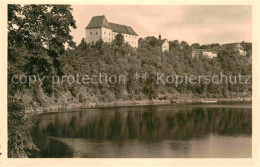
<point x="221" y="130"/>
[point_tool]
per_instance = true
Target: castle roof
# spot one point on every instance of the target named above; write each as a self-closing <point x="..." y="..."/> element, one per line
<point x="97" y="22"/>
<point x="122" y="29"/>
<point x="101" y="21"/>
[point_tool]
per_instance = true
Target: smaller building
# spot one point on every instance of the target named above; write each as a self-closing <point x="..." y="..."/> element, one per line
<point x="163" y="44"/>
<point x="240" y="49"/>
<point x="204" y="52"/>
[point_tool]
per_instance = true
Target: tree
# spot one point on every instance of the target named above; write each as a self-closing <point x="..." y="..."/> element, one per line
<point x="204" y="47"/>
<point x="43" y="31"/>
<point x="98" y="44"/>
<point x="152" y="41"/>
<point x="82" y="45"/>
<point x="119" y="40"/>
<point x="37" y="35"/>
<point x="214" y="46"/>
<point x="184" y="45"/>
<point x="174" y="46"/>
<point x="195" y="45"/>
<point x="141" y="43"/>
<point x="19" y="139"/>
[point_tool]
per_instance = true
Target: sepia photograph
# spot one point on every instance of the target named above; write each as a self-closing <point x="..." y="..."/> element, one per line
<point x="129" y="81"/>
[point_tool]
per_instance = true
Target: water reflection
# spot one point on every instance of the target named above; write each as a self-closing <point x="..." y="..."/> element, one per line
<point x="173" y="130"/>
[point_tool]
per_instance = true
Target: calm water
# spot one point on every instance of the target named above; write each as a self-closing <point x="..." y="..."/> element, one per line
<point x="202" y="130"/>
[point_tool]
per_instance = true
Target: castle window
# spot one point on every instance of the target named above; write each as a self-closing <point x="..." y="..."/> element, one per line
<point x="96" y="32"/>
<point x="90" y="33"/>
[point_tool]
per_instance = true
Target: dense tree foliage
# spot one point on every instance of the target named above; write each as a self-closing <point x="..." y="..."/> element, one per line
<point x="19" y="138"/>
<point x="119" y="40"/>
<point x="37" y="35"/>
<point x="114" y="59"/>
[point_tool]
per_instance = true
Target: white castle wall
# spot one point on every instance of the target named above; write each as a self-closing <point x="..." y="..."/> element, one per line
<point x="93" y="35"/>
<point x="107" y="35"/>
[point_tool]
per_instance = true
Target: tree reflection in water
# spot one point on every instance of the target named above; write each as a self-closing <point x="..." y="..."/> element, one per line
<point x="146" y="123"/>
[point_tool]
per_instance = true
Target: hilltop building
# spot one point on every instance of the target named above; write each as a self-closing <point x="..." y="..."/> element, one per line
<point x="240" y="49"/>
<point x="163" y="44"/>
<point x="236" y="46"/>
<point x="204" y="52"/>
<point x="99" y="28"/>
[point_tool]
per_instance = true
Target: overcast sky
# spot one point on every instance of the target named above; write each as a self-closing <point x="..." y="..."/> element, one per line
<point x="202" y="24"/>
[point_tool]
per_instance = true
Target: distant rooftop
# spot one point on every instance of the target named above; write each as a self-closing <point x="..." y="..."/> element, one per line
<point x="101" y="21"/>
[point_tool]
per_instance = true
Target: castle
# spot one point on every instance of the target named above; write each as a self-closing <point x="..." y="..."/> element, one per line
<point x="99" y="28"/>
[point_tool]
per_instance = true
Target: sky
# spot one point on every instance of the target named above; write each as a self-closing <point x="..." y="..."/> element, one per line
<point x="202" y="24"/>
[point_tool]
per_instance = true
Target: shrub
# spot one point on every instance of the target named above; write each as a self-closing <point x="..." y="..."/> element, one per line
<point x="20" y="143"/>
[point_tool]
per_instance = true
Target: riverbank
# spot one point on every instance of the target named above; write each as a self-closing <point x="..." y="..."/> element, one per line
<point x="73" y="106"/>
<point x="40" y="102"/>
